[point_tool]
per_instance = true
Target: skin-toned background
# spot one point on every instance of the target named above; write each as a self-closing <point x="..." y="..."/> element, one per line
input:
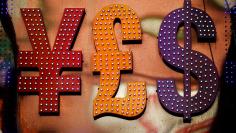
<point x="76" y="110"/>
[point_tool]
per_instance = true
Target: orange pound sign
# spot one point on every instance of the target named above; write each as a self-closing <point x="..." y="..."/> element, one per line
<point x="109" y="61"/>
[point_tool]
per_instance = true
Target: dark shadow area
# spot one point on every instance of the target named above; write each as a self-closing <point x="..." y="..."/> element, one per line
<point x="121" y="72"/>
<point x="50" y="113"/>
<point x="34" y="69"/>
<point x="226" y="113"/>
<point x="10" y="96"/>
<point x="131" y="42"/>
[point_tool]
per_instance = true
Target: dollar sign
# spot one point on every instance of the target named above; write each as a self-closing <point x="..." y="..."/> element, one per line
<point x="189" y="61"/>
<point x="109" y="61"/>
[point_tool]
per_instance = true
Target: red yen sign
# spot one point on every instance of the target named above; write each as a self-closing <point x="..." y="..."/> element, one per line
<point x="49" y="84"/>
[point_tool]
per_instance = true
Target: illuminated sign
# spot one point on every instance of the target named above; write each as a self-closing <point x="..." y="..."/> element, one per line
<point x="190" y="62"/>
<point x="49" y="84"/>
<point x="109" y="61"/>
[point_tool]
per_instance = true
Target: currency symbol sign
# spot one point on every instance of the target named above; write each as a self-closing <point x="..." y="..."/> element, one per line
<point x="50" y="84"/>
<point x="109" y="61"/>
<point x="190" y="62"/>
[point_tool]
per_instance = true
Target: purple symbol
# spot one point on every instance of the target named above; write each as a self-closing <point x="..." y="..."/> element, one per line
<point x="188" y="61"/>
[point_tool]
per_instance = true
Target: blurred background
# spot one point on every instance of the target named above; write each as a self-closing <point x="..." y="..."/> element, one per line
<point x="20" y="113"/>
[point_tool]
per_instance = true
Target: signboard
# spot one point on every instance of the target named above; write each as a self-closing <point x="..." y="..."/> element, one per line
<point x="104" y="66"/>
